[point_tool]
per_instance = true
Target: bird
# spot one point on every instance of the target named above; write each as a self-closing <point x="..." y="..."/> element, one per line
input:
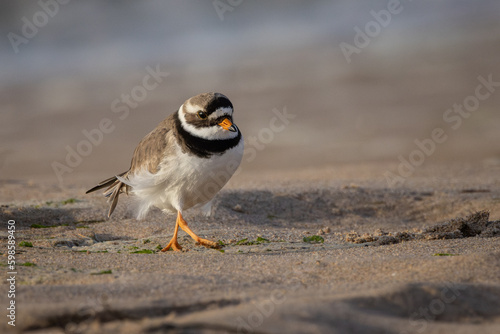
<point x="182" y="163"/>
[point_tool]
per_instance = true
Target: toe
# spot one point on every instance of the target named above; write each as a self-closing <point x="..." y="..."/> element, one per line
<point x="175" y="247"/>
<point x="209" y="243"/>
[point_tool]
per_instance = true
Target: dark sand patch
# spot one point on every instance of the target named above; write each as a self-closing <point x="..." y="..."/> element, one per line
<point x="476" y="224"/>
<point x="445" y="302"/>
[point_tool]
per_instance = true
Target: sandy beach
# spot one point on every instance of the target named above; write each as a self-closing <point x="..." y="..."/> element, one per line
<point x="367" y="201"/>
<point x="87" y="274"/>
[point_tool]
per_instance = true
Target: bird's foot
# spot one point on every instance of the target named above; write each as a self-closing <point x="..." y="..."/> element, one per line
<point x="204" y="242"/>
<point x="174" y="245"/>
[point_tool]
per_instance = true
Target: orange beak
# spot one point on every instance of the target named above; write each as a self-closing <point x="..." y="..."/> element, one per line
<point x="226" y="124"/>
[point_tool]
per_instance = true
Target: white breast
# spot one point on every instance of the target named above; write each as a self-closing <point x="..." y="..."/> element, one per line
<point x="184" y="181"/>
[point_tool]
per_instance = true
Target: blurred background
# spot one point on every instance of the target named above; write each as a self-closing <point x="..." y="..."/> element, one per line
<point x="356" y="98"/>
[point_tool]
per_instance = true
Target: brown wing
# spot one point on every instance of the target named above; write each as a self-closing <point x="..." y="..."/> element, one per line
<point x="152" y="148"/>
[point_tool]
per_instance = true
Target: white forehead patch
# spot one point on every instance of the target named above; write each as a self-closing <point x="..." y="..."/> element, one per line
<point x="191" y="108"/>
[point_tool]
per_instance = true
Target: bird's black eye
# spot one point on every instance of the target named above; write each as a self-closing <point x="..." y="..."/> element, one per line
<point x="202" y="115"/>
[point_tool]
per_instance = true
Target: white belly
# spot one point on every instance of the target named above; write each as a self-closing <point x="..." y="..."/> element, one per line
<point x="184" y="181"/>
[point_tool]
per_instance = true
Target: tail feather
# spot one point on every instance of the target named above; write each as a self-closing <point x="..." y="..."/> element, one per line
<point x="106" y="183"/>
<point x="114" y="198"/>
<point x="114" y="188"/>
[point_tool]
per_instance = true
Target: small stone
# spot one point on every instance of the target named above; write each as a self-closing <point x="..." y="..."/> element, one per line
<point x="238" y="208"/>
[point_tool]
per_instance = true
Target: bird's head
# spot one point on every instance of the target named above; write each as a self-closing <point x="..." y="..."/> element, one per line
<point x="208" y="116"/>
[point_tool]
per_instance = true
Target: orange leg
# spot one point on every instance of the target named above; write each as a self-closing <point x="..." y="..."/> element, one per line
<point x="183" y="224"/>
<point x="173" y="242"/>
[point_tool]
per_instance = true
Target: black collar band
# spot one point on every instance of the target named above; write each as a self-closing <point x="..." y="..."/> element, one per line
<point x="203" y="148"/>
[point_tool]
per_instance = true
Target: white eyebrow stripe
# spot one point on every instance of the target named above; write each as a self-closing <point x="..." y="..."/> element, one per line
<point x="227" y="111"/>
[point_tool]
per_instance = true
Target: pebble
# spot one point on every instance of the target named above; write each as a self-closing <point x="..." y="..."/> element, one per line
<point x="238" y="208"/>
<point x="324" y="230"/>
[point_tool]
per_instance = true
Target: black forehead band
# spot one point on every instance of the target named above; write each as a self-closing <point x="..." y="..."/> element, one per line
<point x="220" y="102"/>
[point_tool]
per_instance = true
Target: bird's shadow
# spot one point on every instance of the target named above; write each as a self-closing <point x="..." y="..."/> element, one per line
<point x="31" y="217"/>
<point x="288" y="207"/>
<point x="252" y="207"/>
